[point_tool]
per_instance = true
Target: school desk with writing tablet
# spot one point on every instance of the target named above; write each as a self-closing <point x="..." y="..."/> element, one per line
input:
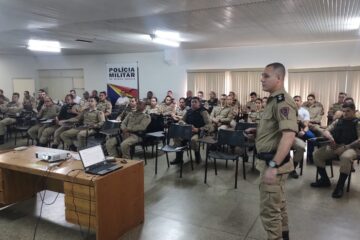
<point x="114" y="203"/>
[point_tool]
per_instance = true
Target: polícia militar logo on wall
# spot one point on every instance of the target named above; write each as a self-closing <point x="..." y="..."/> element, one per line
<point x="118" y="73"/>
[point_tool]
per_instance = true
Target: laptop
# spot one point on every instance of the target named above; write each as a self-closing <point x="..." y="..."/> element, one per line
<point x="94" y="161"/>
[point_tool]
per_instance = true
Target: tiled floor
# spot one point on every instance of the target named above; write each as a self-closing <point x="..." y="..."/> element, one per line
<point x="189" y="209"/>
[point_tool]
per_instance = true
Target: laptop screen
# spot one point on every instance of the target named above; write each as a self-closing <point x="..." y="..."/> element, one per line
<point x="92" y="155"/>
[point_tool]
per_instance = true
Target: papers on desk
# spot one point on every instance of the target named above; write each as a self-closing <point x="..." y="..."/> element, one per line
<point x="76" y="156"/>
<point x="114" y="121"/>
<point x="47" y="121"/>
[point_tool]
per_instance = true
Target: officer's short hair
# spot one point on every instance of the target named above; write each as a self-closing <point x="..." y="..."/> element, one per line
<point x="311" y="95"/>
<point x="349" y="105"/>
<point x="349" y="99"/>
<point x="258" y="99"/>
<point x="16" y="94"/>
<point x="297" y="96"/>
<point x="154" y="98"/>
<point x="253" y="94"/>
<point x="103" y="92"/>
<point x="70" y="96"/>
<point x="195" y="98"/>
<point x="342" y="93"/>
<point x="279" y="67"/>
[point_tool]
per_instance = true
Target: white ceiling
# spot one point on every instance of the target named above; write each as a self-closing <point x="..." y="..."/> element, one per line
<point x="118" y="26"/>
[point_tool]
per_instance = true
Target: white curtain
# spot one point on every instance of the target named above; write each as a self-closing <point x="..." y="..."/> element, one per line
<point x="353" y="86"/>
<point x="245" y="82"/>
<point x="206" y="82"/>
<point x="325" y="84"/>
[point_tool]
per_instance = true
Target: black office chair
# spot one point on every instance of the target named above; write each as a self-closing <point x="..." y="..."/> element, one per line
<point x="183" y="132"/>
<point x="242" y="126"/>
<point x="152" y="136"/>
<point x="227" y="141"/>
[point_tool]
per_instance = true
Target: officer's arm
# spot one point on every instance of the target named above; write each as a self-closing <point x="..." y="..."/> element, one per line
<point x="227" y="119"/>
<point x="208" y="126"/>
<point x="286" y="114"/>
<point x="355" y="144"/>
<point x="101" y="120"/>
<point x="143" y="124"/>
<point x="327" y="132"/>
<point x="183" y="120"/>
<point x="286" y="141"/>
<point x="124" y="123"/>
<point x="108" y="109"/>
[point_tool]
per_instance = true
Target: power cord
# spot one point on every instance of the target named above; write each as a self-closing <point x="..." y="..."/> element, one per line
<point x="83" y="235"/>
<point x="43" y="179"/>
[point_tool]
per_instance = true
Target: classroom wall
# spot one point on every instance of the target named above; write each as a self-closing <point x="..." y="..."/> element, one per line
<point x="159" y="76"/>
<point x="16" y="67"/>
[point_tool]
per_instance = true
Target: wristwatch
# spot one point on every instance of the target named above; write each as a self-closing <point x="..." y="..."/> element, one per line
<point x="273" y="164"/>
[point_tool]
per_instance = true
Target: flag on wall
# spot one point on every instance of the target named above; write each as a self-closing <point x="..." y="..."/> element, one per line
<point x="114" y="92"/>
<point x="122" y="78"/>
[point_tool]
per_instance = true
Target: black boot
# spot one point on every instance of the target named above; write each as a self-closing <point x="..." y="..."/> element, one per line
<point x="324" y="180"/>
<point x="2" y="139"/>
<point x="54" y="146"/>
<point x="339" y="190"/>
<point x="73" y="148"/>
<point x="178" y="159"/>
<point x="42" y="145"/>
<point x="197" y="157"/>
<point x="294" y="174"/>
<point x="285" y="235"/>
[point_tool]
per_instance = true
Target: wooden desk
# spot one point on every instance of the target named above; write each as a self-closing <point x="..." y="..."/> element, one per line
<point x="113" y="203"/>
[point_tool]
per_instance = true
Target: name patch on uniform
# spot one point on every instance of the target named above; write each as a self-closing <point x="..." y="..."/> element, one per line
<point x="285" y="111"/>
<point x="280" y="98"/>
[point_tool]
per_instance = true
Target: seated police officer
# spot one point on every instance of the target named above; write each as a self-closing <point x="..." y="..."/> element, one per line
<point x="69" y="110"/>
<point x="344" y="135"/>
<point x="199" y="118"/>
<point x="221" y="116"/>
<point x="10" y="110"/>
<point x="92" y="120"/>
<point x="41" y="132"/>
<point x="133" y="125"/>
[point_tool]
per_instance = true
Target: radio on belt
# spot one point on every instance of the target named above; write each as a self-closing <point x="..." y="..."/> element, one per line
<point x="52" y="155"/>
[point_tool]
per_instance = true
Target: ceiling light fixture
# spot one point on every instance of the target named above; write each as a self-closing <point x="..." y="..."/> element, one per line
<point x="171" y="39"/>
<point x="44" y="46"/>
<point x="352" y="23"/>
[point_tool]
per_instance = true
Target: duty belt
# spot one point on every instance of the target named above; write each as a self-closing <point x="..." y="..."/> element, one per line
<point x="268" y="156"/>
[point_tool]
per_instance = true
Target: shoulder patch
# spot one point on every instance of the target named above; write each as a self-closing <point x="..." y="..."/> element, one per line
<point x="285" y="111"/>
<point x="280" y="98"/>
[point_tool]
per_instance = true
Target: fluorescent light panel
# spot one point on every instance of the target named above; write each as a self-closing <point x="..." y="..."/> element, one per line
<point x="167" y="35"/>
<point x="44" y="46"/>
<point x="166" y="42"/>
<point x="171" y="39"/>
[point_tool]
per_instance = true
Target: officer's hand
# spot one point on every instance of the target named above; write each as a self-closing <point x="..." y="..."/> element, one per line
<point x="301" y="133"/>
<point x="270" y="176"/>
<point x="250" y="133"/>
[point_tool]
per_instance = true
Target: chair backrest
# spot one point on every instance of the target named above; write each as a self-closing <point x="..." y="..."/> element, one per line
<point x="245" y="125"/>
<point x="231" y="137"/>
<point x="156" y="124"/>
<point x="183" y="131"/>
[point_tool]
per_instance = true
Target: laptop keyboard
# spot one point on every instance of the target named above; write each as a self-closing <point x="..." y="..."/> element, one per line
<point x="102" y="167"/>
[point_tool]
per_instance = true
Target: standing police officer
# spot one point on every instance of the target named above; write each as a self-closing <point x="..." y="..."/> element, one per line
<point x="274" y="138"/>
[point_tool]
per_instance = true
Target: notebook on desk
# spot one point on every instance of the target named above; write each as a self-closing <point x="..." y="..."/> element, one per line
<point x="94" y="161"/>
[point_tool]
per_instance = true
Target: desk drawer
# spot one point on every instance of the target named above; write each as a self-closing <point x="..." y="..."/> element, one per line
<point x="83" y="219"/>
<point x="2" y="198"/>
<point x="80" y="205"/>
<point x="79" y="191"/>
